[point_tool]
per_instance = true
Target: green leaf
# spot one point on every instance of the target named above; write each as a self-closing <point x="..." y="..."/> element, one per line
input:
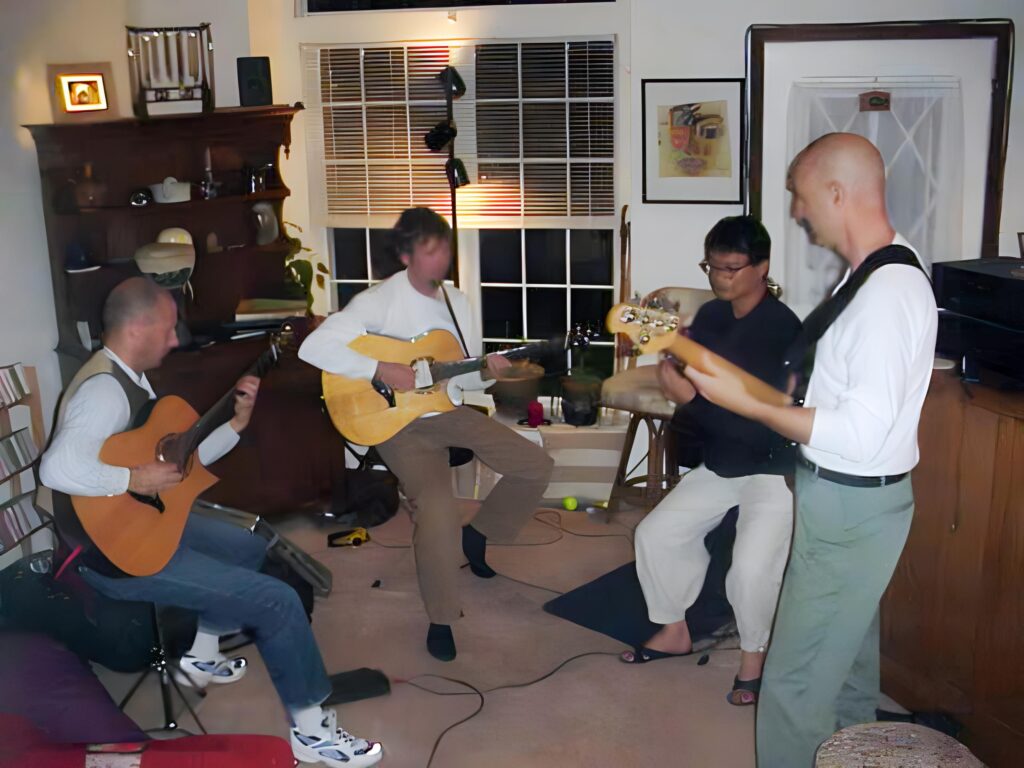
<point x="303" y="271"/>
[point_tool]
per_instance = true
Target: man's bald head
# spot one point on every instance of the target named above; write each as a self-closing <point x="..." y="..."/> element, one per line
<point x="133" y="300"/>
<point x="838" y="188"/>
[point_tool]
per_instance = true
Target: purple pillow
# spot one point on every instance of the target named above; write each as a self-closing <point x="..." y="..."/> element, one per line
<point x="44" y="682"/>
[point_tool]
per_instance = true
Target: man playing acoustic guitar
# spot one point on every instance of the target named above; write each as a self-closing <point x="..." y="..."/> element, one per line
<point x="407" y="304"/>
<point x="215" y="568"/>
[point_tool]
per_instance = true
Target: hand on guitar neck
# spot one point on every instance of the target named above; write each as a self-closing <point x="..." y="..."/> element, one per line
<point x="401" y="378"/>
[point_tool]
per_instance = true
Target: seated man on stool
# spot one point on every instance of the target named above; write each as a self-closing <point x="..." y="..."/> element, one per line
<point x="407" y="304"/>
<point x="215" y="568"/>
<point x="744" y="464"/>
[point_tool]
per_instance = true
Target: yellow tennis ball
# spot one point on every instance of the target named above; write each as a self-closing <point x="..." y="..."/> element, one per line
<point x="570" y="503"/>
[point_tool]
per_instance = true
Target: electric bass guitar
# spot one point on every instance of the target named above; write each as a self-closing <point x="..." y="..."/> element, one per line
<point x="652" y="329"/>
<point x="139" y="534"/>
<point x="370" y="412"/>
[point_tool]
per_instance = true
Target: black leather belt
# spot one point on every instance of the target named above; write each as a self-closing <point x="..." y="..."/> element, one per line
<point x="855" y="481"/>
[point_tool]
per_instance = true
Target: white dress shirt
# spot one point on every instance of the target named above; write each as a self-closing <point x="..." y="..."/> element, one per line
<point x="98" y="410"/>
<point x="872" y="368"/>
<point x="391" y="308"/>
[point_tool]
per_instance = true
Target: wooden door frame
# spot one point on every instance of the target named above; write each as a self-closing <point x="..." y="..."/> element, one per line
<point x="999" y="30"/>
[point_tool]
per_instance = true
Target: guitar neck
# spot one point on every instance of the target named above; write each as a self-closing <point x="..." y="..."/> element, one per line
<point x="690" y="352"/>
<point x="441" y="371"/>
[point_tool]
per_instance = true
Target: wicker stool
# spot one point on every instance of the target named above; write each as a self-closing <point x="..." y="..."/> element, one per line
<point x="893" y="745"/>
<point x="637" y="392"/>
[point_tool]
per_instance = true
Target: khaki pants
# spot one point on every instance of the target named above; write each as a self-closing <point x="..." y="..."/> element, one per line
<point x="418" y="455"/>
<point x="821" y="673"/>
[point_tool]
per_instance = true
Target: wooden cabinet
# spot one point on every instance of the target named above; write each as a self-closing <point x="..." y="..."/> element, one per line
<point x="953" y="616"/>
<point x="290" y="455"/>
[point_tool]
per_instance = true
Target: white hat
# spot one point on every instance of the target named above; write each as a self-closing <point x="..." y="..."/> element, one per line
<point x="170" y="260"/>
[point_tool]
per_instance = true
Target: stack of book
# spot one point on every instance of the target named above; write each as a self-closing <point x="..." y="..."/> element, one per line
<point x="17" y="451"/>
<point x="13" y="384"/>
<point x="18" y="518"/>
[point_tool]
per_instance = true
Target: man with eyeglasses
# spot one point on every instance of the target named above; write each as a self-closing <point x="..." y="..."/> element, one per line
<point x="744" y="465"/>
<point x="866" y="357"/>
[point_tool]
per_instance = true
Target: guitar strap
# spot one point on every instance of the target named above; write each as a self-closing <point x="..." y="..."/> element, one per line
<point x="462" y="339"/>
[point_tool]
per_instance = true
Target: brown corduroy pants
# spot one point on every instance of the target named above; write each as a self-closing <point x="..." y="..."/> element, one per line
<point x="418" y="455"/>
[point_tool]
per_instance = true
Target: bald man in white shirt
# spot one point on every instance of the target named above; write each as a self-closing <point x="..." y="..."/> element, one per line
<point x="867" y="358"/>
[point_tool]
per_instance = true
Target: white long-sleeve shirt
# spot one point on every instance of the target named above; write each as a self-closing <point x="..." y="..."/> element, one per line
<point x="391" y="308"/>
<point x="98" y="410"/>
<point x="872" y="368"/>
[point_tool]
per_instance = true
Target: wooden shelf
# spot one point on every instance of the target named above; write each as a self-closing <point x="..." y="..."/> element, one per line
<point x="182" y="207"/>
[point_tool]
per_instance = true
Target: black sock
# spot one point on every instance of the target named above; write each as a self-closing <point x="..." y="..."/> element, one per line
<point x="474" y="545"/>
<point x="440" y="642"/>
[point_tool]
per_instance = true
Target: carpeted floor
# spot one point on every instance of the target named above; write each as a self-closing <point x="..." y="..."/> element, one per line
<point x="594" y="711"/>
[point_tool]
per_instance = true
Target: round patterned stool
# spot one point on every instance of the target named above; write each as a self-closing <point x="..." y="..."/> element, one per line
<point x="893" y="745"/>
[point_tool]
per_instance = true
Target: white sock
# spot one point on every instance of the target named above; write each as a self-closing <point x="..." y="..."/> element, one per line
<point x="206" y="646"/>
<point x="310" y="720"/>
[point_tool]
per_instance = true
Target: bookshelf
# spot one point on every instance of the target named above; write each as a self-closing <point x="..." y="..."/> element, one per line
<point x="20" y="447"/>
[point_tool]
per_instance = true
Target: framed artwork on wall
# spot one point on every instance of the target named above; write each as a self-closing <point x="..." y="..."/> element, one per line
<point x="82" y="92"/>
<point x="692" y="141"/>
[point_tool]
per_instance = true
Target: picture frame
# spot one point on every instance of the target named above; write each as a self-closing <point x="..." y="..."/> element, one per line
<point x="693" y="140"/>
<point x="82" y="92"/>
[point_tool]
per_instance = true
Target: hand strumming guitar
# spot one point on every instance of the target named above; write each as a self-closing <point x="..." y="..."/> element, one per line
<point x="149" y="479"/>
<point x="396" y="375"/>
<point x="674" y="385"/>
<point x="245" y="401"/>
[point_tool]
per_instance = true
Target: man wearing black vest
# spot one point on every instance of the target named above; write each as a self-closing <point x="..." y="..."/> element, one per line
<point x="865" y="356"/>
<point x="214" y="571"/>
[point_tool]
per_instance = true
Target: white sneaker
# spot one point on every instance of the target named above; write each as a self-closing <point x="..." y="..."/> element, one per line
<point x="335" y="747"/>
<point x="198" y="673"/>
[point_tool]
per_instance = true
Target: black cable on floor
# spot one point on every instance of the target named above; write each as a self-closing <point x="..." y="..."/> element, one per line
<point x="473" y="691"/>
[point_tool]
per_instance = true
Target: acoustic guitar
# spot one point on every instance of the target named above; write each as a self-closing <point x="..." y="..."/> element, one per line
<point x="652" y="329"/>
<point x="139" y="534"/>
<point x="370" y="412"/>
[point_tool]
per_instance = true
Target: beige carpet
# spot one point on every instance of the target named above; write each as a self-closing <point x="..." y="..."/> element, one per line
<point x="593" y="712"/>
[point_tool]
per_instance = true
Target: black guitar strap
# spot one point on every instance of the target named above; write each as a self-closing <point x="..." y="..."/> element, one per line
<point x="465" y="347"/>
<point x="800" y="358"/>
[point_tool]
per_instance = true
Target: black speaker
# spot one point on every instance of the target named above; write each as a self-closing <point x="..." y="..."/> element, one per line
<point x="254" y="81"/>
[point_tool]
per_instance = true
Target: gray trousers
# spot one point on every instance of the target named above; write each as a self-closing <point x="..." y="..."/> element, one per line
<point x="822" y="672"/>
<point x="418" y="455"/>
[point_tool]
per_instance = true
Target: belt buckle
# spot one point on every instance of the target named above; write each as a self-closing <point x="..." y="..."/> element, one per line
<point x="881" y="481"/>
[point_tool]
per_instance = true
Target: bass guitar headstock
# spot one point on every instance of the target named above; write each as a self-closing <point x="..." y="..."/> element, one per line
<point x="651" y="329"/>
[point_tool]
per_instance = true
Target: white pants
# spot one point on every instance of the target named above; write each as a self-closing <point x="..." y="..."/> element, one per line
<point x="672" y="561"/>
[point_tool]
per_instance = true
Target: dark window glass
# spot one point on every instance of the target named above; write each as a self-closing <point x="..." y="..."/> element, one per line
<point x="543" y="70"/>
<point x="350" y="254"/>
<point x="347" y="290"/>
<point x="545" y="311"/>
<point x="383" y="260"/>
<point x="595" y="359"/>
<point x="500" y="260"/>
<point x="502" y="312"/>
<point x="497" y="71"/>
<point x="545" y="256"/>
<point x="590" y="256"/>
<point x="590" y="305"/>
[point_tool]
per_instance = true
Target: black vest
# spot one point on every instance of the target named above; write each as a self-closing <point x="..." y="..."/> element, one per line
<point x="68" y="525"/>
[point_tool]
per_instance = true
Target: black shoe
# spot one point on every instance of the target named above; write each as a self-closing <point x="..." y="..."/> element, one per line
<point x="440" y="642"/>
<point x="474" y="545"/>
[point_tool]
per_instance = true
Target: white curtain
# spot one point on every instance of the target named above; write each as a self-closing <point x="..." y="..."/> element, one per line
<point x="921" y="141"/>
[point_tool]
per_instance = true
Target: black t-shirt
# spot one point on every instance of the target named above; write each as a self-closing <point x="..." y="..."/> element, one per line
<point x="735" y="446"/>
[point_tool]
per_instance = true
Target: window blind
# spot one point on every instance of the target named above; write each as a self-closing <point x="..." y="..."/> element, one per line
<point x="536" y="131"/>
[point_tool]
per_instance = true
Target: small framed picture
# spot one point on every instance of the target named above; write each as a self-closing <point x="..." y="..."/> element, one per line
<point x="82" y="92"/>
<point x="692" y="141"/>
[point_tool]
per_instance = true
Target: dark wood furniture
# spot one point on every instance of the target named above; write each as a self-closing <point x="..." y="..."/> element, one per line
<point x="290" y="454"/>
<point x="953" y="617"/>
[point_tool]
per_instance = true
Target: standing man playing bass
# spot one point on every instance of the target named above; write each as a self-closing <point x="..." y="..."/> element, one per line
<point x="867" y="357"/>
<point x="409" y="303"/>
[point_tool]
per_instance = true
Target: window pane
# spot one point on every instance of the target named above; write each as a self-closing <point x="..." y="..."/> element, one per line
<point x="347" y="290"/>
<point x="500" y="260"/>
<point x="497" y="72"/>
<point x="545" y="256"/>
<point x="544" y="131"/>
<point x="590" y="305"/>
<point x="384" y="74"/>
<point x="544" y="192"/>
<point x="502" y="311"/>
<point x="591" y="69"/>
<point x="339" y="75"/>
<point x="497" y="130"/>
<point x="383" y="260"/>
<point x="350" y="254"/>
<point x="592" y="129"/>
<point x="545" y="311"/>
<point x="590" y="256"/>
<point x="595" y="359"/>
<point x="543" y="70"/>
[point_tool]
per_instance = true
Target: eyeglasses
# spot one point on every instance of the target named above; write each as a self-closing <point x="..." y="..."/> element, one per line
<point x="707" y="268"/>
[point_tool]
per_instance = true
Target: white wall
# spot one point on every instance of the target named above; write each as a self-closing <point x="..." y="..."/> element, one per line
<point x="32" y="35"/>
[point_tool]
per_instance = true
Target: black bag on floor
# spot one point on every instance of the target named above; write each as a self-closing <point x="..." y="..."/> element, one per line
<point x="365" y="498"/>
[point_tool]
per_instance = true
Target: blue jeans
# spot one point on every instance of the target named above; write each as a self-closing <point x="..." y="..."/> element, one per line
<point x="214" y="572"/>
